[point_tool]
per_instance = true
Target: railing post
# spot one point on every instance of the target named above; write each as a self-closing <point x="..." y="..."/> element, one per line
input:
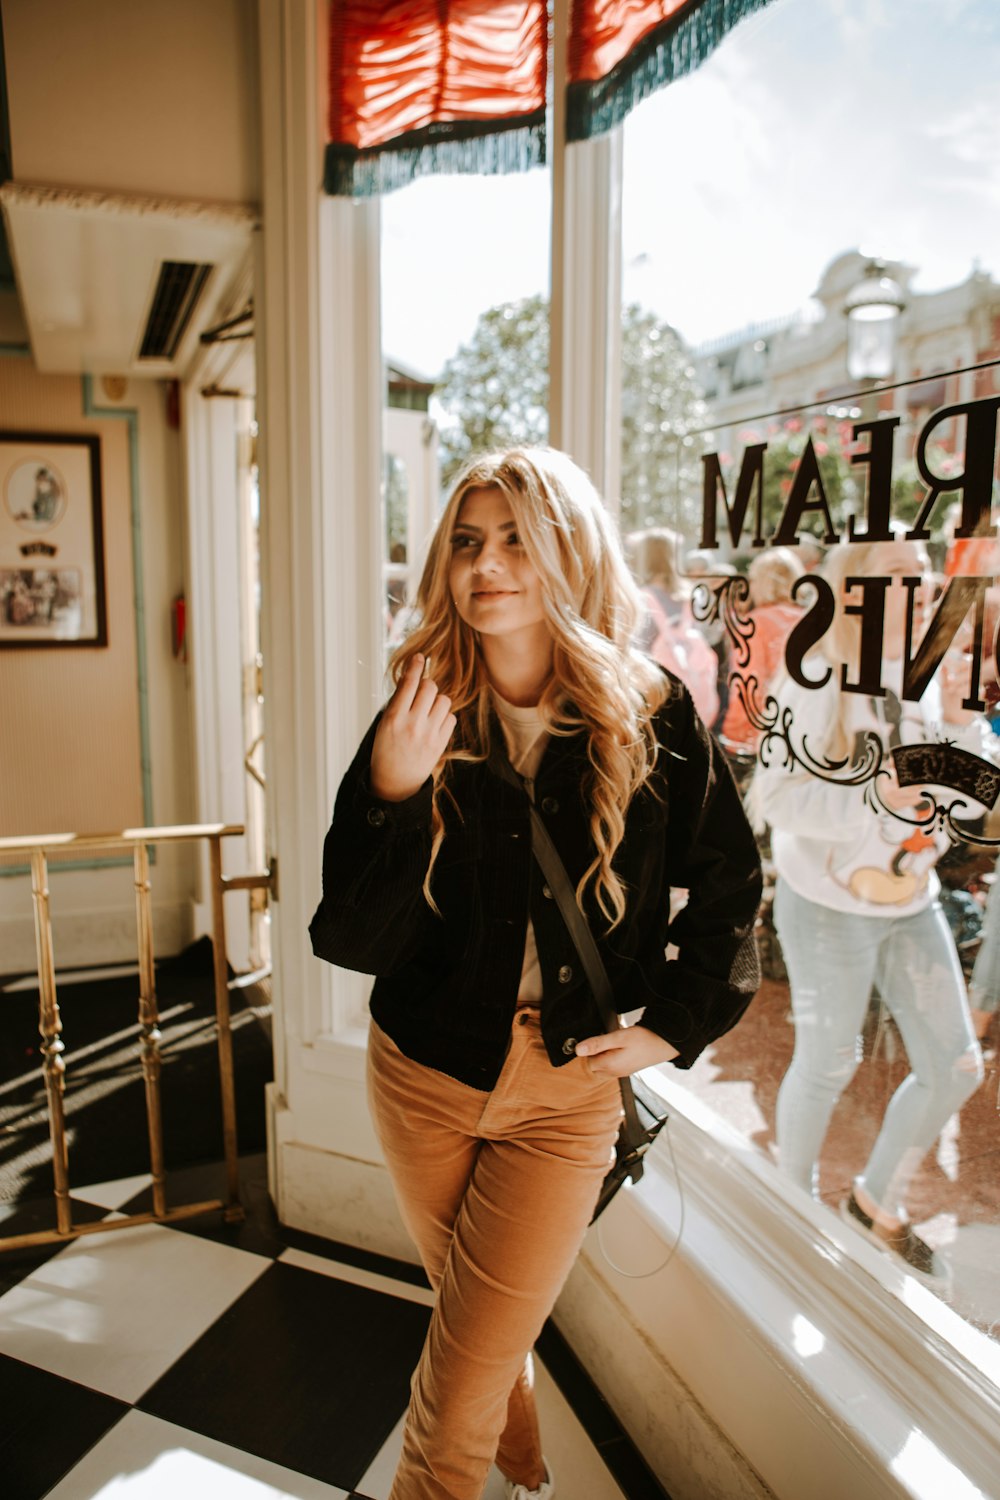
<point x="233" y="1210"/>
<point x="50" y="1023"/>
<point x="149" y="1027"/>
<point x="50" y="1026"/>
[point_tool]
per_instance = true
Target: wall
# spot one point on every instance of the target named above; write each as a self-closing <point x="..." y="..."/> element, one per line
<point x="135" y="97"/>
<point x="109" y="727"/>
<point x="83" y="695"/>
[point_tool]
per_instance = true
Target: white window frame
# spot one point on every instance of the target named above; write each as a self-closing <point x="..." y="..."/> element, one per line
<point x="703" y="1359"/>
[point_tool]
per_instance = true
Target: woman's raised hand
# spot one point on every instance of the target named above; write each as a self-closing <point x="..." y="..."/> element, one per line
<point x="412" y="736"/>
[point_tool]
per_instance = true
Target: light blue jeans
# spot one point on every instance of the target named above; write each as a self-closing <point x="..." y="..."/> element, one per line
<point x="833" y="959"/>
<point x="984" y="986"/>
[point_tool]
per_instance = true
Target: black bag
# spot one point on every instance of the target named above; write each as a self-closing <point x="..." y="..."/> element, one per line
<point x="643" y="1120"/>
<point x="628" y="1165"/>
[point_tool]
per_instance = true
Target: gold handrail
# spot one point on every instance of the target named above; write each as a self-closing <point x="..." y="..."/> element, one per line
<point x="50" y="1022"/>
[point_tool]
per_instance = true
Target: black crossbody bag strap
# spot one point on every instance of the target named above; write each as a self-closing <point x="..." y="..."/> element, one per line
<point x="559" y="884"/>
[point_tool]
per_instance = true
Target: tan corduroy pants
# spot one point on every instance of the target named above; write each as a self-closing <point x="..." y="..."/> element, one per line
<point x="497" y="1189"/>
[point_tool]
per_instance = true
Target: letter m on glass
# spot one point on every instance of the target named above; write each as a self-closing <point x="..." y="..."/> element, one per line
<point x="750" y="479"/>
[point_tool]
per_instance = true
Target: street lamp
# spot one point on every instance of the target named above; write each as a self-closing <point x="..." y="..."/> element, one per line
<point x="873" y="306"/>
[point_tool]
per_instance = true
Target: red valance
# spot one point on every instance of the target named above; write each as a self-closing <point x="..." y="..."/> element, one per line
<point x="421" y="86"/>
<point x="605" y="31"/>
<point x="621" y="51"/>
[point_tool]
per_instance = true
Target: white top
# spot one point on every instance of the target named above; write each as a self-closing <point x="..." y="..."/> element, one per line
<point x="526" y="738"/>
<point x="828" y="843"/>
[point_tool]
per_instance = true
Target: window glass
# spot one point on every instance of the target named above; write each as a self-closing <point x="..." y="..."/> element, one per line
<point x="465" y="268"/>
<point x="399" y="584"/>
<point x="829" y="277"/>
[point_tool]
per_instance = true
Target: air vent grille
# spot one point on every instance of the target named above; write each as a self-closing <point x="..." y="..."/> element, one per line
<point x="178" y="288"/>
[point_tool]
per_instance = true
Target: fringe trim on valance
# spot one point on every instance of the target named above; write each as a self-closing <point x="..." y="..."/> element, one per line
<point x="511" y="145"/>
<point x="682" y="43"/>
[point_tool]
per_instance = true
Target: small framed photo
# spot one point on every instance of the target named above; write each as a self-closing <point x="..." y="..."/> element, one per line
<point x="51" y="541"/>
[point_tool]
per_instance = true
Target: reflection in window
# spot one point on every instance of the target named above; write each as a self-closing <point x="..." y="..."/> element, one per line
<point x="397" y="573"/>
<point x="861" y="1068"/>
<point x="465" y="330"/>
<point x="855" y="892"/>
<point x="410" y="493"/>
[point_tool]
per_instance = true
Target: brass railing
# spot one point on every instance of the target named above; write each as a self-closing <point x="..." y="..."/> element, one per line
<point x="50" y="1022"/>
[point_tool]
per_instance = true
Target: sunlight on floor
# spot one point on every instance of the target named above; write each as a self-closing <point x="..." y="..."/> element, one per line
<point x="144" y="1458"/>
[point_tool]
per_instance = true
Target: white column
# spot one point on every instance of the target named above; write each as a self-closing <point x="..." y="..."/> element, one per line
<point x="320" y="399"/>
<point x="215" y="658"/>
<point x="586" y="290"/>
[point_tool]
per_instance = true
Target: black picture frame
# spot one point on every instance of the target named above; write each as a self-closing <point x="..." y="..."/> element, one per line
<point x="52" y="579"/>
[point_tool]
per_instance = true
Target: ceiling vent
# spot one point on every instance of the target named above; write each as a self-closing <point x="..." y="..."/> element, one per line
<point x="102" y="276"/>
<point x="179" y="285"/>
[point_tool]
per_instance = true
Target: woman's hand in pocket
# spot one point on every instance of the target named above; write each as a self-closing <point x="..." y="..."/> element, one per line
<point x="615" y="1054"/>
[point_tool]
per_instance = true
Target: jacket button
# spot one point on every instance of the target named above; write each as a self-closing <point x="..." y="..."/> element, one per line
<point x="550" y="805"/>
<point x="564" y="977"/>
<point x="546" y="893"/>
<point x="569" y="1046"/>
<point x="376" y="816"/>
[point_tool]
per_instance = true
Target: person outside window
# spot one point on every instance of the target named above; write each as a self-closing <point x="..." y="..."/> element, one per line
<point x="772" y="576"/>
<point x="669" y="632"/>
<point x="856" y="905"/>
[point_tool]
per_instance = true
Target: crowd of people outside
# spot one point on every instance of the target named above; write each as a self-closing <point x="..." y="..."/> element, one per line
<point x="854" y="895"/>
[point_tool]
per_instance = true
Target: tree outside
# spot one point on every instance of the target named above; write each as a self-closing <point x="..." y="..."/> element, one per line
<point x="494" y="389"/>
<point x="494" y="392"/>
<point x="662" y="409"/>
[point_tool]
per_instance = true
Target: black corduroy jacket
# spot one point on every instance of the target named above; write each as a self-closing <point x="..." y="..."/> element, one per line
<point x="446" y="985"/>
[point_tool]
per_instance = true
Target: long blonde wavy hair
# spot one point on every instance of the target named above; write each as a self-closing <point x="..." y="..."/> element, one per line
<point x="600" y="684"/>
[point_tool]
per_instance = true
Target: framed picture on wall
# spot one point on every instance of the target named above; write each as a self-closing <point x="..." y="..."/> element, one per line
<point x="51" y="541"/>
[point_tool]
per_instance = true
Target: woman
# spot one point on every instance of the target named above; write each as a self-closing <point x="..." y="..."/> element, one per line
<point x="772" y="575"/>
<point x="669" y="632"/>
<point x="855" y="904"/>
<point x="493" y="1085"/>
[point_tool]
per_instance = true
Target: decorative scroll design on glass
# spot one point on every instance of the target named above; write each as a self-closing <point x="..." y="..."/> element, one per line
<point x="937" y="764"/>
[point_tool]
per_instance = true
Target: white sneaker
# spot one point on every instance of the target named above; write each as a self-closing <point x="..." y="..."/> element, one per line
<point x="545" y="1491"/>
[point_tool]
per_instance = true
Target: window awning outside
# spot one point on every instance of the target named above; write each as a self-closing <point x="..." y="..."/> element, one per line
<point x="423" y="86"/>
<point x="621" y="51"/>
<point x="419" y="86"/>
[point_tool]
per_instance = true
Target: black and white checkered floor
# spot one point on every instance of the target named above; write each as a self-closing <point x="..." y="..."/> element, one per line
<point x="241" y="1362"/>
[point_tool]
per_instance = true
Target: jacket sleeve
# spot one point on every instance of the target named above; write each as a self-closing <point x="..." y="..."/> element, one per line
<point x="373" y="913"/>
<point x="700" y="993"/>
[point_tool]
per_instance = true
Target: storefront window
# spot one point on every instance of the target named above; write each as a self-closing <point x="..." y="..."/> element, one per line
<point x="398" y="581"/>
<point x="810" y="387"/>
<point x="828" y="527"/>
<point x="465" y="342"/>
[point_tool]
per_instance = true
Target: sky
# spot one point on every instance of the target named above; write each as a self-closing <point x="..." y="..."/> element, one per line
<point x="818" y="126"/>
